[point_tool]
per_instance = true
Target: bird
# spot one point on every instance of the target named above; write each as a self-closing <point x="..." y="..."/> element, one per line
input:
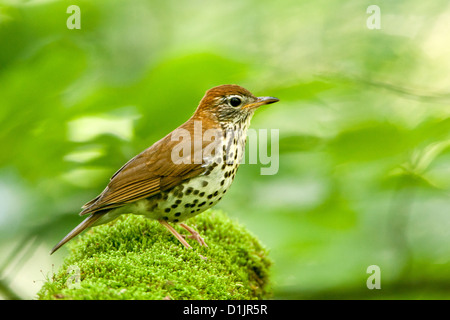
<point x="186" y="172"/>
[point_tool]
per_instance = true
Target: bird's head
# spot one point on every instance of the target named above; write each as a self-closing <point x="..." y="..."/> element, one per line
<point x="230" y="103"/>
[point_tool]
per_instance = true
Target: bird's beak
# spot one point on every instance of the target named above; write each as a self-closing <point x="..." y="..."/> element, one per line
<point x="261" y="101"/>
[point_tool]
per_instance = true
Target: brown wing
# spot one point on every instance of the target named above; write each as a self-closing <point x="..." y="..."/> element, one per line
<point x="147" y="174"/>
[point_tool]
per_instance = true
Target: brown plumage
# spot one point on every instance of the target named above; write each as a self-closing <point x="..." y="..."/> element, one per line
<point x="151" y="180"/>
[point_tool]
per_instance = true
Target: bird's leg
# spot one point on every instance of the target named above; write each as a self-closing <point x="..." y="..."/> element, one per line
<point x="175" y="233"/>
<point x="194" y="235"/>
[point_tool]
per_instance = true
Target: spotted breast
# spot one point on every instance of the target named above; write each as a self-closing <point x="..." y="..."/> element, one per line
<point x="200" y="193"/>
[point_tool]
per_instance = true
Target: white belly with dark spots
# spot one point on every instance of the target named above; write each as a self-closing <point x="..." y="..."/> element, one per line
<point x="196" y="194"/>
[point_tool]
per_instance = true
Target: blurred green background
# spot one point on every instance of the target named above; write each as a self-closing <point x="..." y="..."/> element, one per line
<point x="364" y="125"/>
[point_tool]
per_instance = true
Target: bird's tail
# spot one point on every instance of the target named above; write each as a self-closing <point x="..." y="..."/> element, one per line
<point x="88" y="222"/>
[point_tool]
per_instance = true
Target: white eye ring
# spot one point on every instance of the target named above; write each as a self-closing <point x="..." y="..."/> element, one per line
<point x="235" y="101"/>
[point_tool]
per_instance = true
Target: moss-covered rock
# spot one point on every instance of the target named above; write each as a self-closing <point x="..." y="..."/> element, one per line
<point x="136" y="258"/>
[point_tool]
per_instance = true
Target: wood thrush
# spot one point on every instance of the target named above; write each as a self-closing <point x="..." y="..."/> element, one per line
<point x="184" y="173"/>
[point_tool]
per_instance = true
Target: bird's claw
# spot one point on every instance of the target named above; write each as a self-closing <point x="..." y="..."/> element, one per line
<point x="200" y="240"/>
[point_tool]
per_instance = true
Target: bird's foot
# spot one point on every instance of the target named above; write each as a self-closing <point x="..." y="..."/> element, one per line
<point x="194" y="235"/>
<point x="175" y="233"/>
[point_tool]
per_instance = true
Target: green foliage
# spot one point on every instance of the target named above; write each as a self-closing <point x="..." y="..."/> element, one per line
<point x="135" y="258"/>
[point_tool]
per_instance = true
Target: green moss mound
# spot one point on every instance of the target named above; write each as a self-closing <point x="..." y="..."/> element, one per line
<point x="136" y="258"/>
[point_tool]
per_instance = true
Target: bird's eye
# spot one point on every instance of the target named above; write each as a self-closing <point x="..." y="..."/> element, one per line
<point x="235" y="101"/>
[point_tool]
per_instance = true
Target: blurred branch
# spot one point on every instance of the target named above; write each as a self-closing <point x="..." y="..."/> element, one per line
<point x="412" y="93"/>
<point x="7" y="292"/>
<point x="21" y="253"/>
